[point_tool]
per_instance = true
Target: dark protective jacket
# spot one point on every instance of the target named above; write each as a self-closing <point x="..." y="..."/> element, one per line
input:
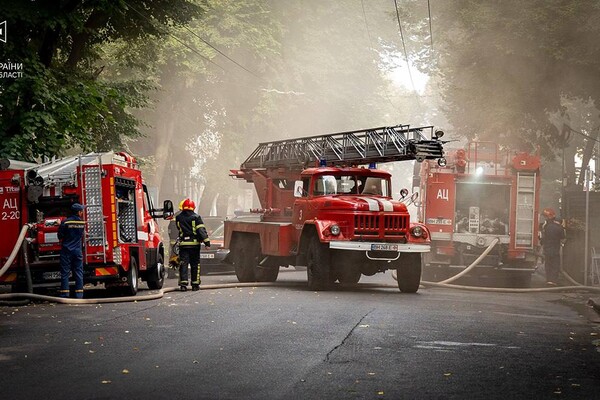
<point x="191" y="229"/>
<point x="71" y="232"/>
<point x="552" y="233"/>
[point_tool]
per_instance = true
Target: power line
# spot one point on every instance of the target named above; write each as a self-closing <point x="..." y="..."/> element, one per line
<point x="220" y="52"/>
<point x="404" y="47"/>
<point x="430" y="30"/>
<point x="387" y="95"/>
<point x="173" y="36"/>
<point x="584" y="135"/>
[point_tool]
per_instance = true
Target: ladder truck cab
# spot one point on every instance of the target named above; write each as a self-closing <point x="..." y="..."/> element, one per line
<point x="322" y="210"/>
<point x="122" y="242"/>
<point x="481" y="195"/>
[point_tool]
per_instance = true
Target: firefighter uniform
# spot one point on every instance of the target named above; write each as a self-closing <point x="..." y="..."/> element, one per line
<point x="552" y="235"/>
<point x="71" y="233"/>
<point x="191" y="233"/>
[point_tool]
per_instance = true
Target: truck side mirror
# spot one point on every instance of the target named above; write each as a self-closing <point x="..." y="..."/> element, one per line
<point x="168" y="209"/>
<point x="298" y="189"/>
<point x="403" y="193"/>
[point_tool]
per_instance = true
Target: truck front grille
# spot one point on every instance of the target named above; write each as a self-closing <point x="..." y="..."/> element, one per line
<point x="381" y="225"/>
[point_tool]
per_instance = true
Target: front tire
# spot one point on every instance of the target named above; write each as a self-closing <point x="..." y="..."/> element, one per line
<point x="348" y="275"/>
<point x="408" y="272"/>
<point x="132" y="278"/>
<point x="158" y="275"/>
<point x="318" y="265"/>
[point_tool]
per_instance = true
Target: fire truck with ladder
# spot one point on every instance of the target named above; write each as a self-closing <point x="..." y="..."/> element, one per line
<point x="481" y="195"/>
<point x="321" y="210"/>
<point x="122" y="242"/>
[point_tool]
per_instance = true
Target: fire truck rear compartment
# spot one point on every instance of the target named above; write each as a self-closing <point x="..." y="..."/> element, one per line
<point x="482" y="208"/>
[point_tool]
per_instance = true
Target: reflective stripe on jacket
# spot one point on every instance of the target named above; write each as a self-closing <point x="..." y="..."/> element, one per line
<point x="191" y="229"/>
<point x="71" y="232"/>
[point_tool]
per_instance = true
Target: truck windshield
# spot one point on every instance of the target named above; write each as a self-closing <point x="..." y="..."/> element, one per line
<point x="327" y="185"/>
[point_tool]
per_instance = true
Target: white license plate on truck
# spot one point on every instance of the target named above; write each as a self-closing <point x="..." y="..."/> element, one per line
<point x="202" y="255"/>
<point x="384" y="247"/>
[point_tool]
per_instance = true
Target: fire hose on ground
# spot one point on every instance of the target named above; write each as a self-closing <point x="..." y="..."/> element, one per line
<point x="446" y="283"/>
<point x="12" y="299"/>
<point x="6" y="299"/>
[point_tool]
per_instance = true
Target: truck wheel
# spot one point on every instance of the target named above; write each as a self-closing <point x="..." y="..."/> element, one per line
<point x="349" y="275"/>
<point x="408" y="272"/>
<point x="266" y="274"/>
<point x="318" y="268"/>
<point x="245" y="257"/>
<point x="158" y="275"/>
<point x="132" y="279"/>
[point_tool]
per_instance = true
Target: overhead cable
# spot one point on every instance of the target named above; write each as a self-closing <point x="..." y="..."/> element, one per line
<point x="404" y="46"/>
<point x="173" y="36"/>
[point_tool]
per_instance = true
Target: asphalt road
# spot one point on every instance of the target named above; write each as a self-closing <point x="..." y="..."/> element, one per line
<point x="291" y="343"/>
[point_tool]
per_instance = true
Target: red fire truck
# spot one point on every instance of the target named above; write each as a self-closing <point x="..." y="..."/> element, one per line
<point x="122" y="242"/>
<point x="482" y="193"/>
<point x="321" y="210"/>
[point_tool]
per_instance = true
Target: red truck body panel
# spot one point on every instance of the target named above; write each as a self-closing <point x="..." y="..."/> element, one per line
<point x="118" y="214"/>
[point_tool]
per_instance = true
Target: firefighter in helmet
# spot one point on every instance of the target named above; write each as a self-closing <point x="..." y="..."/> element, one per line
<point x="553" y="234"/>
<point x="71" y="233"/>
<point x="191" y="234"/>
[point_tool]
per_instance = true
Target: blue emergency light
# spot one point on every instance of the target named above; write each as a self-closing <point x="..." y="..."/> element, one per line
<point x="322" y="162"/>
<point x="372" y="165"/>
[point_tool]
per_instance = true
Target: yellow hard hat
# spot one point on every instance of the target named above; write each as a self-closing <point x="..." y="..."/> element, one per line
<point x="181" y="204"/>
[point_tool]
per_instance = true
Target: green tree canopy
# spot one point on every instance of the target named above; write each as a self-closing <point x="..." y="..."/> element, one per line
<point x="62" y="100"/>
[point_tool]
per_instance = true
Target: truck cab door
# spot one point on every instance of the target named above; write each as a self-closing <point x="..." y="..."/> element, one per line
<point x="299" y="213"/>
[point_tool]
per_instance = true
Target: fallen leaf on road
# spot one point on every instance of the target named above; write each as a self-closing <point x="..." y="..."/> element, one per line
<point x="106" y="382"/>
<point x="363" y="326"/>
<point x="447" y="374"/>
<point x="125" y="371"/>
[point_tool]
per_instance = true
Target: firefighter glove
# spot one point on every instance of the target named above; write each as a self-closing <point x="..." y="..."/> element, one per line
<point x="207" y="243"/>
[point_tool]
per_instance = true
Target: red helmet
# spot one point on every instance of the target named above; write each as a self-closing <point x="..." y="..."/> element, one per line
<point x="549" y="213"/>
<point x="189" y="205"/>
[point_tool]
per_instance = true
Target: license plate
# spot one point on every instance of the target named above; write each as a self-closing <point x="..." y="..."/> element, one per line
<point x="202" y="255"/>
<point x="384" y="247"/>
<point x="52" y="275"/>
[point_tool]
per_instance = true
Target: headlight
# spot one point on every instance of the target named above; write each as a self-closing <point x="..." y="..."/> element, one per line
<point x="335" y="230"/>
<point x="417" y="231"/>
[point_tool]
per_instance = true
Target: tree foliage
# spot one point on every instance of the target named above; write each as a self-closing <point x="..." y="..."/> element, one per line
<point x="505" y="67"/>
<point x="62" y="100"/>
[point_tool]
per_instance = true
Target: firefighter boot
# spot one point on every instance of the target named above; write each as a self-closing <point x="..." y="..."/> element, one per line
<point x="183" y="288"/>
<point x="195" y="287"/>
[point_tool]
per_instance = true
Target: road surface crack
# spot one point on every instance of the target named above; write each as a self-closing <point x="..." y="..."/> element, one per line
<point x="347" y="336"/>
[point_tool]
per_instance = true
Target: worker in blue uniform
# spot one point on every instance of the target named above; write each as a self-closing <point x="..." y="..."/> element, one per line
<point x="71" y="232"/>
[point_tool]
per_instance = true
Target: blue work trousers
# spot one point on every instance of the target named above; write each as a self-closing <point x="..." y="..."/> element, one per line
<point x="71" y="261"/>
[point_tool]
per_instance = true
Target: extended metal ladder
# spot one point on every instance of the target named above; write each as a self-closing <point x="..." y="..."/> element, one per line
<point x="524" y="227"/>
<point x="384" y="144"/>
